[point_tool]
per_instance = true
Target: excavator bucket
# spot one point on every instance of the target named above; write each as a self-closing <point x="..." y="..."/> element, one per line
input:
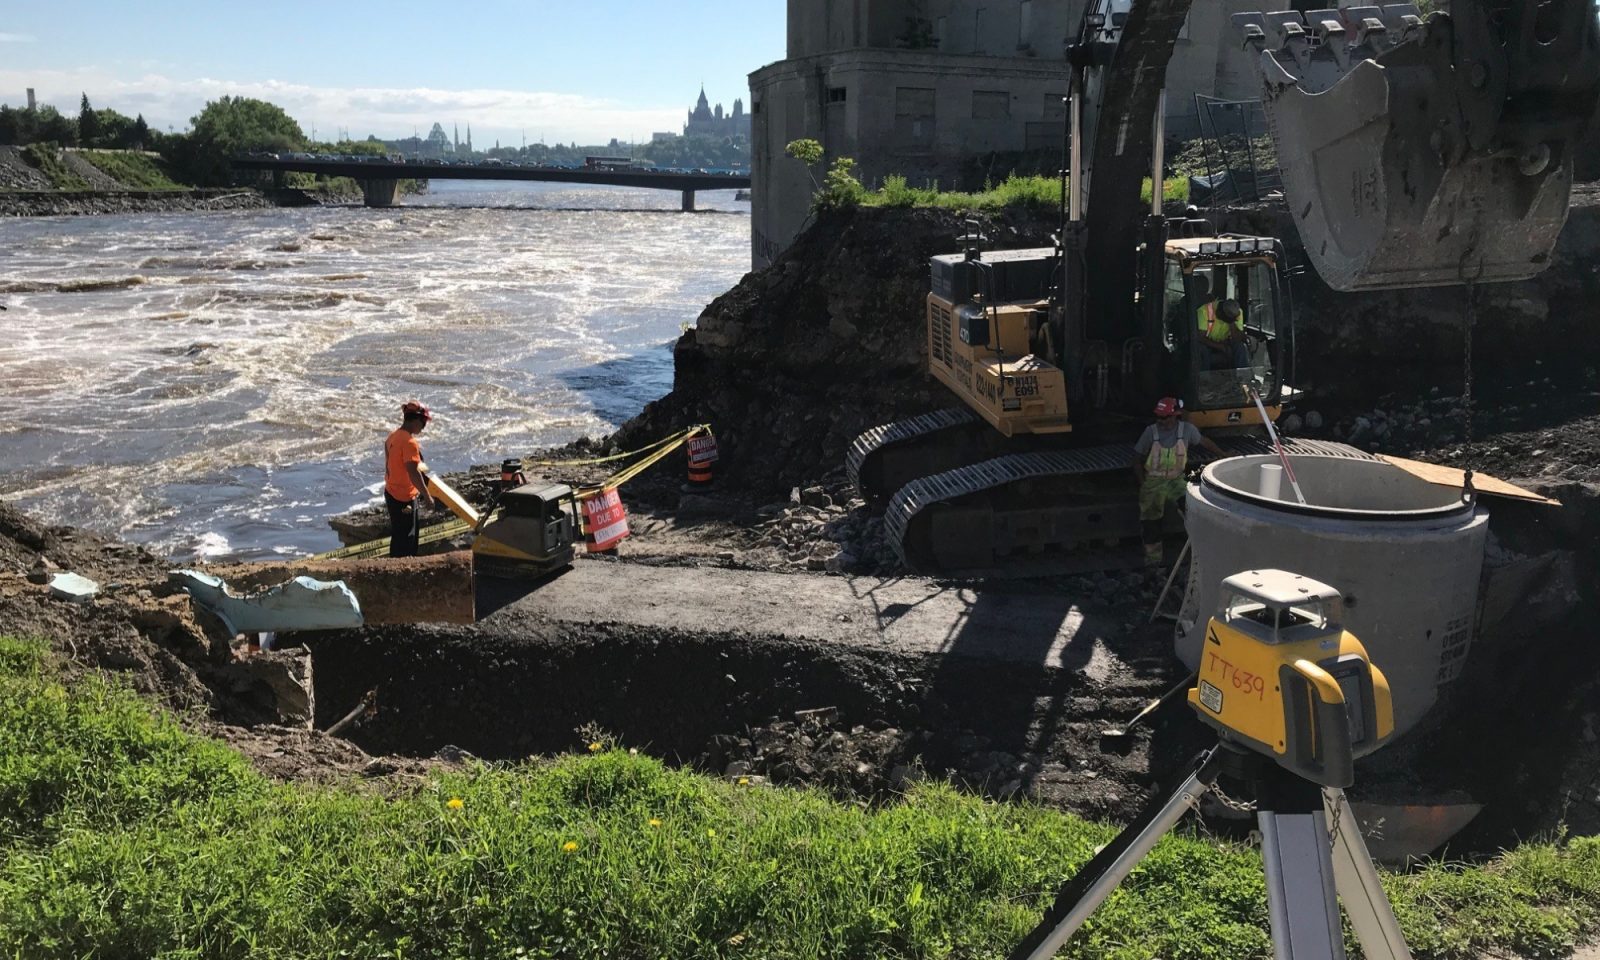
<point x="1424" y="151"/>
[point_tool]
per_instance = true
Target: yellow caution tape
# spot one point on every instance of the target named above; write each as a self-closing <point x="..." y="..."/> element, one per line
<point x="679" y="436"/>
<point x="372" y="548"/>
<point x="451" y="528"/>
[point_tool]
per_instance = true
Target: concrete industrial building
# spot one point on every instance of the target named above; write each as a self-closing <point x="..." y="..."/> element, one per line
<point x="952" y="91"/>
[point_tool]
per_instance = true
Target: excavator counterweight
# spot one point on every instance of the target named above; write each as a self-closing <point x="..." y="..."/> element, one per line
<point x="1424" y="151"/>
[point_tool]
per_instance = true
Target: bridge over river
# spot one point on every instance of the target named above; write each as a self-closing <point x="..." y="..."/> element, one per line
<point x="380" y="181"/>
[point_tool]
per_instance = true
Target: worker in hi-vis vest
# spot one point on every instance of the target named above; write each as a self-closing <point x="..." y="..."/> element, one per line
<point x="1162" y="455"/>
<point x="405" y="490"/>
<point x="1221" y="324"/>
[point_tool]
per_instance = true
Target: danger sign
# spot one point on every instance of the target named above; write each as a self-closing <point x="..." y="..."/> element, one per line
<point x="702" y="450"/>
<point x="605" y="521"/>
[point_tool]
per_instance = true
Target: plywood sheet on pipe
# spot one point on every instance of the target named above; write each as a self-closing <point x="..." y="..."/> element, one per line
<point x="1452" y="477"/>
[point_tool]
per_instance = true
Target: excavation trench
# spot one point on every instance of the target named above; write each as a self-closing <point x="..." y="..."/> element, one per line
<point x="861" y="724"/>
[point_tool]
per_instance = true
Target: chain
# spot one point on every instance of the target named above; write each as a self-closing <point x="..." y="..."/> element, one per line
<point x="1239" y="806"/>
<point x="1333" y="802"/>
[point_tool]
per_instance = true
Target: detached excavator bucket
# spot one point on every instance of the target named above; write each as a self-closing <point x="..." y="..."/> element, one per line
<point x="1423" y="152"/>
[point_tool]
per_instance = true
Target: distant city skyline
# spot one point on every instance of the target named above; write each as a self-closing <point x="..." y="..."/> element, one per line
<point x="556" y="72"/>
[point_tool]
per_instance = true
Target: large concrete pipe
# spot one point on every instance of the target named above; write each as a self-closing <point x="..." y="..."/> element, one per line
<point x="1406" y="554"/>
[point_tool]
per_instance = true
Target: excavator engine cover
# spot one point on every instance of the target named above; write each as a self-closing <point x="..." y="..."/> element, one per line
<point x="1424" y="152"/>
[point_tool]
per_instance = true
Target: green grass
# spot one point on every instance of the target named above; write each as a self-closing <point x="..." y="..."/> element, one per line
<point x="120" y="835"/>
<point x="133" y="170"/>
<point x="1012" y="192"/>
<point x="44" y="158"/>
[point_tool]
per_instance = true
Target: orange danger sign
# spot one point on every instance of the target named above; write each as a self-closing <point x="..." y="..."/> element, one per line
<point x="702" y="450"/>
<point x="605" y="520"/>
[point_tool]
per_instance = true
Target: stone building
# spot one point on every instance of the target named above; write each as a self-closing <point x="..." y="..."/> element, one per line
<point x="704" y="121"/>
<point x="945" y="91"/>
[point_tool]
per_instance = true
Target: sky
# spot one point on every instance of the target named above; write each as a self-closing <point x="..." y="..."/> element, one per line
<point x="581" y="70"/>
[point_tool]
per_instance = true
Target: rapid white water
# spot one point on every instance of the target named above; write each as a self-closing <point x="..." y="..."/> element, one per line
<point x="220" y="384"/>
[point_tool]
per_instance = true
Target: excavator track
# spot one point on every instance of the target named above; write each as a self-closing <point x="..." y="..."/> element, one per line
<point x="1041" y="513"/>
<point x="884" y="458"/>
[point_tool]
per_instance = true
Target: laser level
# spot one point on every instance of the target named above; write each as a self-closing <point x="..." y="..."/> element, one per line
<point x="1281" y="680"/>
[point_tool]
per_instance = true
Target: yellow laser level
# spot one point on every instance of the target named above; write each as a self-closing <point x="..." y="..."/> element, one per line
<point x="1281" y="675"/>
<point x="1295" y="700"/>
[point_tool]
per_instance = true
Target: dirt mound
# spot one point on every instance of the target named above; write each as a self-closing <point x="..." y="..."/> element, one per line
<point x="799" y="358"/>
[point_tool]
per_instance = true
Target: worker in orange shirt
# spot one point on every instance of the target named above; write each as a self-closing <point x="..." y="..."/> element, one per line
<point x="405" y="492"/>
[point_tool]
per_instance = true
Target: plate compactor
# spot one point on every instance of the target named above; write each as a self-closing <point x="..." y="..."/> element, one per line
<point x="1295" y="701"/>
<point x="526" y="531"/>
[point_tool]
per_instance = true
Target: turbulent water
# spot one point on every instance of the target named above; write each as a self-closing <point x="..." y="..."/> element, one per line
<point x="220" y="384"/>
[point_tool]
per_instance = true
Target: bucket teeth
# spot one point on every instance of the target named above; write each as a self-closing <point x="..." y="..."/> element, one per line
<point x="1407" y="156"/>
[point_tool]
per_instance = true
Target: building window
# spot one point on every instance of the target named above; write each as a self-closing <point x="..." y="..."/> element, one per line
<point x="978" y="45"/>
<point x="1025" y="23"/>
<point x="940" y="29"/>
<point x="991" y="105"/>
<point x="755" y="106"/>
<point x="913" y="116"/>
<point x="836" y="94"/>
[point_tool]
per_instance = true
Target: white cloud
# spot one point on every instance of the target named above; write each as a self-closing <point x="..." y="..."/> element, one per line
<point x="18" y="38"/>
<point x="386" y="112"/>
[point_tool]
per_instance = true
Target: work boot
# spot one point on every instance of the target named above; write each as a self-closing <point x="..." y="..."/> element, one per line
<point x="1152" y="555"/>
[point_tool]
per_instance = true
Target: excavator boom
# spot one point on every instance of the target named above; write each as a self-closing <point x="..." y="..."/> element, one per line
<point x="1427" y="150"/>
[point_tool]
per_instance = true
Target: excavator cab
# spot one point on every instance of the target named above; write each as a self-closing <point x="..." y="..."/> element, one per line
<point x="1225" y="326"/>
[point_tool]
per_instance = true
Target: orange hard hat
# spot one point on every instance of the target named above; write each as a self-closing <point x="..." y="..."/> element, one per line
<point x="1167" y="407"/>
<point x="414" y="409"/>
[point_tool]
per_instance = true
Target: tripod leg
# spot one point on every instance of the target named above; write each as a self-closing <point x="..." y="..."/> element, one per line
<point x="1082" y="895"/>
<point x="1300" y="890"/>
<point x="1365" y="903"/>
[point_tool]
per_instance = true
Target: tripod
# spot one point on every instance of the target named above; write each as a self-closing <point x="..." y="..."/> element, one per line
<point x="1309" y="867"/>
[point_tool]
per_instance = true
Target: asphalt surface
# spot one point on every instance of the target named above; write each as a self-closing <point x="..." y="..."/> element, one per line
<point x="906" y="616"/>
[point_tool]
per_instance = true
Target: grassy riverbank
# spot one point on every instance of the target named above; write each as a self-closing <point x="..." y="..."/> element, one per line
<point x="121" y="835"/>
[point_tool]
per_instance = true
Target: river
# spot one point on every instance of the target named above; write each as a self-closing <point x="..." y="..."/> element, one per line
<point x="220" y="384"/>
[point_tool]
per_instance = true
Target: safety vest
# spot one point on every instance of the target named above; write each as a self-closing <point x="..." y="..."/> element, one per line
<point x="1166" y="463"/>
<point x="1213" y="326"/>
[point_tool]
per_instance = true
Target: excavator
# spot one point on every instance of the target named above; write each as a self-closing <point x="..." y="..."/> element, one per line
<point x="1415" y="150"/>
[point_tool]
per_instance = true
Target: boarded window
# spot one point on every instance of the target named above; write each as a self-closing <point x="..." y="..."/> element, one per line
<point x="991" y="105"/>
<point x="1055" y="106"/>
<point x="1044" y="136"/>
<point x="913" y="116"/>
<point x="941" y="29"/>
<point x="1024" y="23"/>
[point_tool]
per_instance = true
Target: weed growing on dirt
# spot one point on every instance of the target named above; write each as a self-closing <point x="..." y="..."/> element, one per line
<point x="133" y="170"/>
<point x="120" y="835"/>
<point x="44" y="158"/>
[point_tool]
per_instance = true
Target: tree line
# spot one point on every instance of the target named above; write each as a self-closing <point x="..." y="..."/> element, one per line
<point x="106" y="129"/>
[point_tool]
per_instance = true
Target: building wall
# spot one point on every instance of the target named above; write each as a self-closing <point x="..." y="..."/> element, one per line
<point x="922" y="87"/>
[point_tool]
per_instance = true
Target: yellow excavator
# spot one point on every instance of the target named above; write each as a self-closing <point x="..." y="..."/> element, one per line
<point x="1059" y="353"/>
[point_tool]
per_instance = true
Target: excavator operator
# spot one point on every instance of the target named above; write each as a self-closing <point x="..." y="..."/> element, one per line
<point x="1221" y="327"/>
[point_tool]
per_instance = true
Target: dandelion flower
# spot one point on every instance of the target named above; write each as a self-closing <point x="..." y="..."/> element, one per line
<point x="654" y="822"/>
<point x="570" y="846"/>
<point x="744" y="781"/>
<point x="711" y="833"/>
<point x="594" y="746"/>
<point x="454" y="803"/>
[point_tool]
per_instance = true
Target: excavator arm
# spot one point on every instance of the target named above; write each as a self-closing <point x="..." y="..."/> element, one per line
<point x="1424" y="150"/>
